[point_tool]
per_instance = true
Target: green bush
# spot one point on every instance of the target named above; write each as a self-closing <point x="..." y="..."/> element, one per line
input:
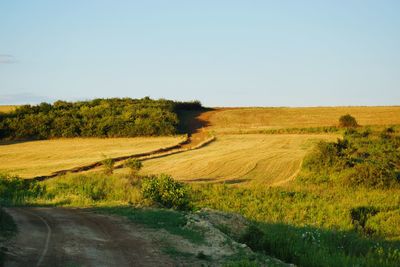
<point x="164" y="190"/>
<point x="134" y="166"/>
<point x="108" y="164"/>
<point x="347" y="121"/>
<point x="372" y="174"/>
<point x="359" y="217"/>
<point x="361" y="158"/>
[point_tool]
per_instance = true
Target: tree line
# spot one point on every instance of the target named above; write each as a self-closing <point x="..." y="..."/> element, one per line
<point x="115" y="117"/>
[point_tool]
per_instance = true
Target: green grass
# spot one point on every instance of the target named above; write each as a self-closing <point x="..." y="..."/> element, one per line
<point x="288" y="217"/>
<point x="169" y="220"/>
<point x="285" y="214"/>
<point x="309" y="246"/>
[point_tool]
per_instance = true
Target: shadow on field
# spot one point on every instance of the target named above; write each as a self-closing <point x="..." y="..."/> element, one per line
<point x="216" y="181"/>
<point x="235" y="181"/>
<point x="191" y="121"/>
<point x="13" y="142"/>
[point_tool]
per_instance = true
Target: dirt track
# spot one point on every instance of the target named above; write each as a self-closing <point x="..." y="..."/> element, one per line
<point x="74" y="237"/>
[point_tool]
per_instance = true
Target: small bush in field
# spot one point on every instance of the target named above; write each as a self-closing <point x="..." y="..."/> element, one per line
<point x="166" y="191"/>
<point x="134" y="166"/>
<point x="347" y="121"/>
<point x="359" y="217"/>
<point x="108" y="164"/>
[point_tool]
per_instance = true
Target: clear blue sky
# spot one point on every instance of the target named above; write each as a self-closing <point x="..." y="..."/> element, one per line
<point x="223" y="53"/>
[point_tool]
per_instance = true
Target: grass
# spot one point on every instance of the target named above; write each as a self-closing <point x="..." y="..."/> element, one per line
<point x="310" y="225"/>
<point x="291" y="218"/>
<point x="169" y="220"/>
<point x="266" y="159"/>
<point x="235" y="120"/>
<point x="34" y="158"/>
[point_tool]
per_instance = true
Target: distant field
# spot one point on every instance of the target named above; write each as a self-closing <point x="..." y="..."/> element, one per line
<point x="268" y="159"/>
<point x="7" y="108"/>
<point x="234" y="120"/>
<point x="35" y="158"/>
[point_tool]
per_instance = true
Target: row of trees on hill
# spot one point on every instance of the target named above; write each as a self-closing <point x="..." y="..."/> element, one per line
<point x="114" y="117"/>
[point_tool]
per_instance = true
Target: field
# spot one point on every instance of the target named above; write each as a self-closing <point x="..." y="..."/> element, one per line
<point x="34" y="158"/>
<point x="267" y="159"/>
<point x="232" y="158"/>
<point x="242" y="120"/>
<point x="315" y="220"/>
<point x="6" y="109"/>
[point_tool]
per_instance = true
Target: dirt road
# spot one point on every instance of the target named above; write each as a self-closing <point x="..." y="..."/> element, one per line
<point x="75" y="237"/>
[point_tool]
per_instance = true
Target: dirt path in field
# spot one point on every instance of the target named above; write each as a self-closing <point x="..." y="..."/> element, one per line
<point x="73" y="237"/>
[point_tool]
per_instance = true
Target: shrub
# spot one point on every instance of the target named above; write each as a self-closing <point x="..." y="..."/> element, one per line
<point x="108" y="164"/>
<point x="347" y="121"/>
<point x="361" y="158"/>
<point x="359" y="217"/>
<point x="134" y="166"/>
<point x="167" y="192"/>
<point x="372" y="174"/>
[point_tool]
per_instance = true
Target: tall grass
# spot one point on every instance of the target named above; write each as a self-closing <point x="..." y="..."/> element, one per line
<point x="311" y="225"/>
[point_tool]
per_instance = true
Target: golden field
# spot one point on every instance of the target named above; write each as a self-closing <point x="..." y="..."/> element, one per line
<point x="35" y="158"/>
<point x="232" y="158"/>
<point x="234" y="120"/>
<point x="267" y="159"/>
<point x="5" y="108"/>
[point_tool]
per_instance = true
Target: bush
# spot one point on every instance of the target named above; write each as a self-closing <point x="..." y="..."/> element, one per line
<point x="167" y="192"/>
<point x="372" y="174"/>
<point x="347" y="121"/>
<point x="361" y="158"/>
<point x="134" y="166"/>
<point x="108" y="164"/>
<point x="359" y="217"/>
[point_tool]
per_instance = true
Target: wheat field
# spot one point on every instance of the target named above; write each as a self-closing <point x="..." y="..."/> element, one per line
<point x="34" y="158"/>
<point x="5" y="108"/>
<point x="266" y="159"/>
<point x="235" y="120"/>
<point x="232" y="158"/>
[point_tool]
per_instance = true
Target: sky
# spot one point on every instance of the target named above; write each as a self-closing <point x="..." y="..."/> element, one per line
<point x="223" y="53"/>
